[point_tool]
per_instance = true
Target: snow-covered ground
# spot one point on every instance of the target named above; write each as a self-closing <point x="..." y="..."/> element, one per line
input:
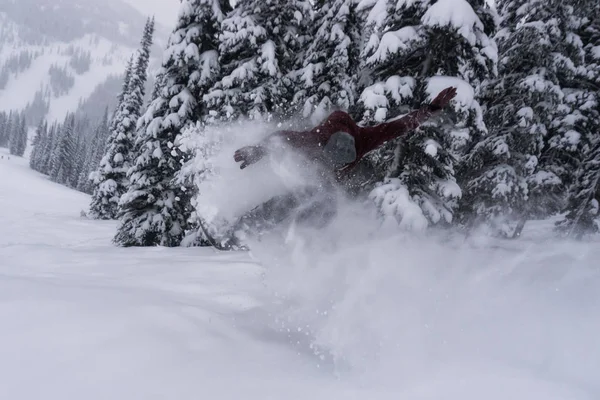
<point x="383" y="319"/>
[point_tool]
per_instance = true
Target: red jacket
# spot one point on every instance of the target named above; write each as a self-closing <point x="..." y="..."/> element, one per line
<point x="366" y="138"/>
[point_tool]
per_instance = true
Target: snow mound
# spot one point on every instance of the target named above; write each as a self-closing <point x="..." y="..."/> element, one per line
<point x="456" y="13"/>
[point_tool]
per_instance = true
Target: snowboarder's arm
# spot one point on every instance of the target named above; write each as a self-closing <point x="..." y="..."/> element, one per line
<point x="390" y="130"/>
<point x="249" y="155"/>
<point x="318" y="136"/>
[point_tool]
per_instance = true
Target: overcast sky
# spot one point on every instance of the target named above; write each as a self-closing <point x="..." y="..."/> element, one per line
<point x="164" y="10"/>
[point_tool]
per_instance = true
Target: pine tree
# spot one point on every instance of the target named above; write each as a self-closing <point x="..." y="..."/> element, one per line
<point x="565" y="140"/>
<point x="102" y="207"/>
<point x="22" y="144"/>
<point x="424" y="47"/>
<point x="93" y="155"/>
<point x="258" y="49"/>
<point x="64" y="152"/>
<point x="328" y="77"/>
<point x="155" y="209"/>
<point x="48" y="151"/>
<point x="583" y="208"/>
<point x="3" y="122"/>
<point x="78" y="160"/>
<point x="134" y="97"/>
<point x="13" y="133"/>
<point x="583" y="203"/>
<point x="111" y="181"/>
<point x="204" y="144"/>
<point x="18" y="136"/>
<point x="159" y="83"/>
<point x="100" y="136"/>
<point x="7" y="131"/>
<point x="38" y="144"/>
<point x="497" y="169"/>
<point x="126" y="80"/>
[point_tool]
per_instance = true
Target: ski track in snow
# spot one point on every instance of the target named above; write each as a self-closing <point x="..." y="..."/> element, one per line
<point x="413" y="320"/>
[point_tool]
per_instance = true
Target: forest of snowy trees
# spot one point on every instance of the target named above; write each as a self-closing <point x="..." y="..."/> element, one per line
<point x="13" y="132"/>
<point x="521" y="141"/>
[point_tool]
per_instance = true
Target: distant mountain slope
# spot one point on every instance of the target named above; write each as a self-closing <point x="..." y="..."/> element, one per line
<point x="68" y="20"/>
<point x="57" y="54"/>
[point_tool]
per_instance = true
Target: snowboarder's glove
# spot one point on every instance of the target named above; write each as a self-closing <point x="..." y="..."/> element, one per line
<point x="443" y="99"/>
<point x="249" y="155"/>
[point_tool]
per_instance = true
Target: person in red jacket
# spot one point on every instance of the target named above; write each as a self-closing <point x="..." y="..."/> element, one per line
<point x="339" y="142"/>
<point x="337" y="145"/>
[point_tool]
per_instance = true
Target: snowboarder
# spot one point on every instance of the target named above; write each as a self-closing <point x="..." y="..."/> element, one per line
<point x="340" y="142"/>
<point x="337" y="146"/>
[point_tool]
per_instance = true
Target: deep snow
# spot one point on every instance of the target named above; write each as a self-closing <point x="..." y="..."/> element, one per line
<point x="346" y="316"/>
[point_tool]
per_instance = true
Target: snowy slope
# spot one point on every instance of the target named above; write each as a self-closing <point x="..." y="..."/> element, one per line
<point x="405" y="319"/>
<point x="63" y="35"/>
<point x="22" y="87"/>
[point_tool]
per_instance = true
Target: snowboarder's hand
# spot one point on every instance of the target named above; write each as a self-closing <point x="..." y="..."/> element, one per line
<point x="249" y="155"/>
<point x="443" y="98"/>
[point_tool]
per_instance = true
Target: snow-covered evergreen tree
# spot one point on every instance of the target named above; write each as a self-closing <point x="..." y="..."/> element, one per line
<point x="38" y="143"/>
<point x="7" y="130"/>
<point x="18" y="135"/>
<point x="204" y="144"/>
<point x="520" y="110"/>
<point x="64" y="152"/>
<point x="134" y="97"/>
<point x="583" y="203"/>
<point x="258" y="48"/>
<point x="159" y="83"/>
<point x="565" y="141"/>
<point x="583" y="208"/>
<point x="48" y="150"/>
<point x="78" y="159"/>
<point x="22" y="145"/>
<point x="103" y="206"/>
<point x="12" y="132"/>
<point x="328" y="79"/>
<point x="155" y="210"/>
<point x="3" y="124"/>
<point x="424" y="47"/>
<point x="111" y="182"/>
<point x="93" y="155"/>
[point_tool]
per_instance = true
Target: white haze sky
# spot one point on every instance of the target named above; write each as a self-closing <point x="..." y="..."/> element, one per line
<point x="165" y="11"/>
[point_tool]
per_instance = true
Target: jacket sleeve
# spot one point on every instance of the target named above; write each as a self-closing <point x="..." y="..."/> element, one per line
<point x="318" y="136"/>
<point x="387" y="131"/>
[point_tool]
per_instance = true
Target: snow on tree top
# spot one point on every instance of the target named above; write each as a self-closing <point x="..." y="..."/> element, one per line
<point x="395" y="200"/>
<point x="543" y="178"/>
<point x="431" y="148"/>
<point x="374" y="97"/>
<point x="377" y="14"/>
<point x="391" y="42"/>
<point x="540" y="84"/>
<point x="456" y="13"/>
<point x="465" y="94"/>
<point x="405" y="3"/>
<point x="189" y="7"/>
<point x="269" y="58"/>
<point x="572" y="138"/>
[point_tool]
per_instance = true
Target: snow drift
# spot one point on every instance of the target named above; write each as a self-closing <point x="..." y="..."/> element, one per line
<point x="393" y="308"/>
